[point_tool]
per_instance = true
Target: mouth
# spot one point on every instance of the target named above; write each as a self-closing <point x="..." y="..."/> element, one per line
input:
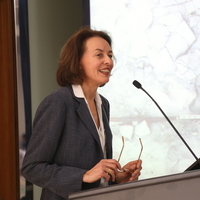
<point x="105" y="71"/>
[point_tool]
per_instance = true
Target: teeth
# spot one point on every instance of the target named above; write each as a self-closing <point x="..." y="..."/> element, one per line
<point x="105" y="70"/>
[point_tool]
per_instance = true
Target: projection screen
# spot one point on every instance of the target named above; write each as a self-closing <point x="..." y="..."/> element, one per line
<point x="156" y="42"/>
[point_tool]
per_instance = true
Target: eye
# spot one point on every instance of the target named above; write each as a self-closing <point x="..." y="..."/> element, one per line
<point x="99" y="55"/>
<point x="110" y="55"/>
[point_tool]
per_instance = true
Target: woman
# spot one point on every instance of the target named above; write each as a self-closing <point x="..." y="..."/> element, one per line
<point x="71" y="146"/>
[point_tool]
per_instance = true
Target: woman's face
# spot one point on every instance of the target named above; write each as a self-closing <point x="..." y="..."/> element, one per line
<point x="96" y="62"/>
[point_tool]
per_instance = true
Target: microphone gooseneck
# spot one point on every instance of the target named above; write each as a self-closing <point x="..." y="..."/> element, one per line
<point x="139" y="86"/>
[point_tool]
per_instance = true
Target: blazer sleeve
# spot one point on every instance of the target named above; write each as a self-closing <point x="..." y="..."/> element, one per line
<point x="38" y="166"/>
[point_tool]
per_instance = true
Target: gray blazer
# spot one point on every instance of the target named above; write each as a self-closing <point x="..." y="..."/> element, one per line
<point x="64" y="145"/>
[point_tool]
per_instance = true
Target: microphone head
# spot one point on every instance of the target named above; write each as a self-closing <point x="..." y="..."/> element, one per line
<point x="137" y="84"/>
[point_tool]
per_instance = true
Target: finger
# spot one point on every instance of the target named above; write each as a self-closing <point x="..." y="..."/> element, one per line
<point x="113" y="166"/>
<point x="131" y="168"/>
<point x="114" y="163"/>
<point x="112" y="174"/>
<point x="131" y="164"/>
<point x="126" y="170"/>
<point x="137" y="170"/>
<point x="109" y="171"/>
<point x="135" y="175"/>
<point x="106" y="176"/>
<point x="137" y="166"/>
<point x="139" y="163"/>
<point x="110" y="163"/>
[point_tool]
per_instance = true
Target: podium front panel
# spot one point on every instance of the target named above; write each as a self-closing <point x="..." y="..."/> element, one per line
<point x="184" y="186"/>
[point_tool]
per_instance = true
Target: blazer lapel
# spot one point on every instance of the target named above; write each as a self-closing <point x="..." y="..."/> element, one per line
<point x="84" y="114"/>
<point x="86" y="118"/>
<point x="108" y="134"/>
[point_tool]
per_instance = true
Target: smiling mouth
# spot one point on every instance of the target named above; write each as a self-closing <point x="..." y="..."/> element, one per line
<point x="105" y="71"/>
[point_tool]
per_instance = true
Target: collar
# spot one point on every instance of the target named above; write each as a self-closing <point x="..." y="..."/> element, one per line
<point x="78" y="92"/>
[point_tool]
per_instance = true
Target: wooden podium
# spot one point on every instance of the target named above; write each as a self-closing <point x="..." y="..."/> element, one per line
<point x="184" y="186"/>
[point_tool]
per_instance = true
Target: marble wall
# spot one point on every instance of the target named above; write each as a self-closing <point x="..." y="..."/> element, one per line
<point x="156" y="42"/>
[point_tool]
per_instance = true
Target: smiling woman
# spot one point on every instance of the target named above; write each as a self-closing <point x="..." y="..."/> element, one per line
<point x="71" y="145"/>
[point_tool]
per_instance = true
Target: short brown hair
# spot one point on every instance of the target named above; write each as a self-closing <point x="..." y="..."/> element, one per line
<point x="69" y="71"/>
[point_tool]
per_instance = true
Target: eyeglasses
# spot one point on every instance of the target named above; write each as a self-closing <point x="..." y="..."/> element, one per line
<point x="121" y="149"/>
<point x="141" y="149"/>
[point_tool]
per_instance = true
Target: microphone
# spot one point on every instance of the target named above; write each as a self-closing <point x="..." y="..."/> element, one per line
<point x="195" y="165"/>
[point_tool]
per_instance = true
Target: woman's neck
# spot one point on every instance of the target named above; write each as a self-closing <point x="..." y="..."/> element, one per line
<point x="89" y="92"/>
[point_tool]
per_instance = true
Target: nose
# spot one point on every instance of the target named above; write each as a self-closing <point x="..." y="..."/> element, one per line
<point x="108" y="61"/>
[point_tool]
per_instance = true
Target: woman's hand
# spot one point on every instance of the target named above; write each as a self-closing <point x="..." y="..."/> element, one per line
<point x="107" y="168"/>
<point x="130" y="172"/>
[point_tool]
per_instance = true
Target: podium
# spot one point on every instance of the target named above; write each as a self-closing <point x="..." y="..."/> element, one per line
<point x="184" y="186"/>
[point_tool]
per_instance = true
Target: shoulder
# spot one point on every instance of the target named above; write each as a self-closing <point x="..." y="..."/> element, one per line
<point x="62" y="93"/>
<point x="58" y="98"/>
<point x="56" y="103"/>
